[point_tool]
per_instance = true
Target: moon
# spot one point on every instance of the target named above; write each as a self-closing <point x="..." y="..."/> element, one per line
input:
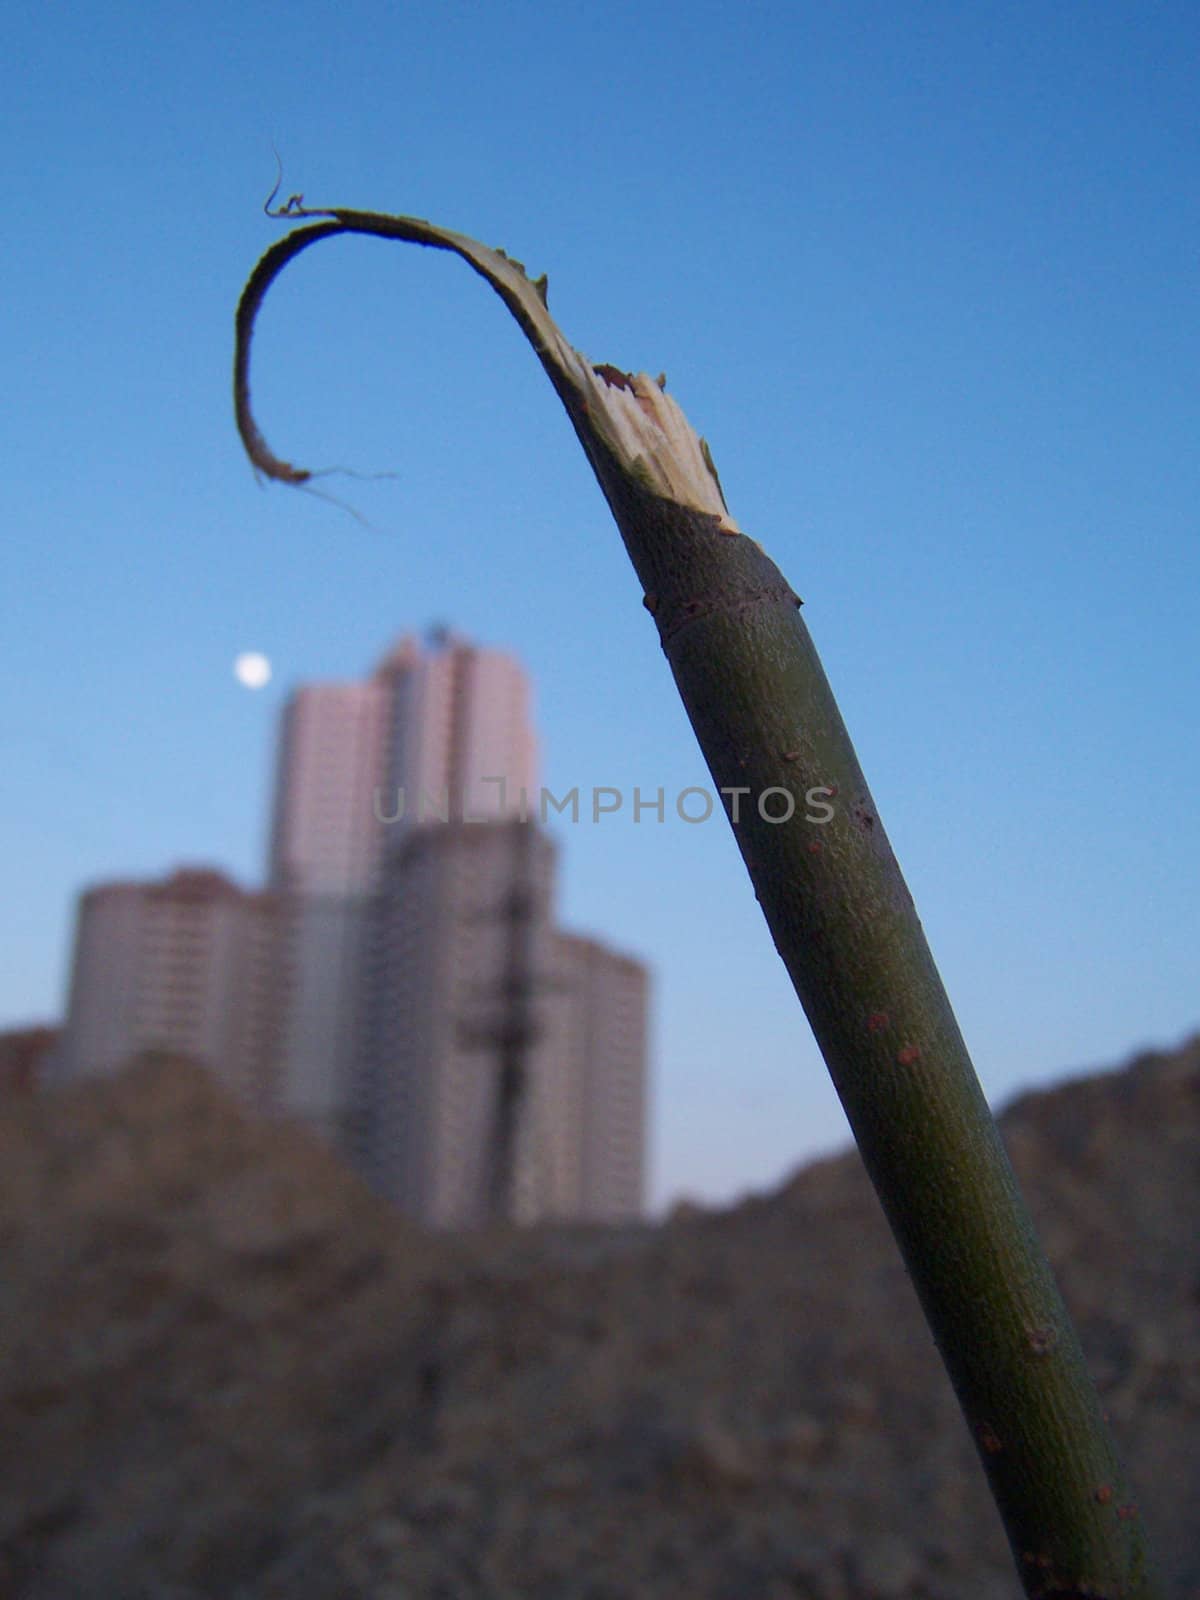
<point x="252" y="670"/>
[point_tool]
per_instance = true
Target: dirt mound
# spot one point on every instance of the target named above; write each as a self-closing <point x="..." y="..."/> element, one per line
<point x="226" y="1370"/>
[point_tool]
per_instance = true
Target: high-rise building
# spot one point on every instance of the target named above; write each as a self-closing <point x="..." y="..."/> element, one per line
<point x="460" y="741"/>
<point x="477" y="1062"/>
<point x="324" y="864"/>
<point x="358" y="764"/>
<point x="436" y="733"/>
<point x="598" y="1010"/>
<point x="185" y="965"/>
<point x="503" y="1063"/>
<point x="452" y="1095"/>
<point x="332" y="761"/>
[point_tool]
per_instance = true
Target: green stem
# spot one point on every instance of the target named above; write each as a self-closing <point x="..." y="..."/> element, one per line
<point x="845" y="926"/>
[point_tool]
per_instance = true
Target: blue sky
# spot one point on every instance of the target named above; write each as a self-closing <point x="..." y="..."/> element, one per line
<point x="925" y="277"/>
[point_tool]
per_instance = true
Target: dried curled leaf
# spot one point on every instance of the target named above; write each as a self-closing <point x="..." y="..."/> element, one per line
<point x="633" y="422"/>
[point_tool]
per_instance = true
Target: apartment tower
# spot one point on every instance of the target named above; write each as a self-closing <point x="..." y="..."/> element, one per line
<point x="323" y="868"/>
<point x="185" y="966"/>
<point x="440" y="731"/>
